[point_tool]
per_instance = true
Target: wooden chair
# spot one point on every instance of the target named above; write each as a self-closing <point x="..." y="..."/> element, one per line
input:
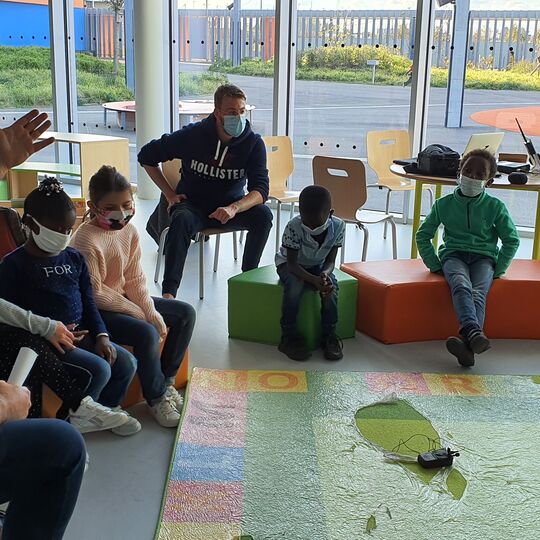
<point x="171" y="171"/>
<point x="280" y="163"/>
<point x="345" y="179"/>
<point x="382" y="148"/>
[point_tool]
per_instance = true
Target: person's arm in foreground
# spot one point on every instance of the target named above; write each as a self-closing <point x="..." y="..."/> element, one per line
<point x="14" y="402"/>
<point x="17" y="142"/>
<point x="53" y="331"/>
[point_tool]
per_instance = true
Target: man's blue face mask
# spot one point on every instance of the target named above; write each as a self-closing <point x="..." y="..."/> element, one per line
<point x="234" y="125"/>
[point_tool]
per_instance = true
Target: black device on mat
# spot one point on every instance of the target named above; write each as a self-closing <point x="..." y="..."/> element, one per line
<point x="438" y="160"/>
<point x="442" y="457"/>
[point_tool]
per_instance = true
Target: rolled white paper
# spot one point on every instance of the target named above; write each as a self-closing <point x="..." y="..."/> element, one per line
<point x="23" y="365"/>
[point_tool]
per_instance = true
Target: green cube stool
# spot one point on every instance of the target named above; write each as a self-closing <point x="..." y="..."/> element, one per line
<point x="255" y="299"/>
<point x="4" y="191"/>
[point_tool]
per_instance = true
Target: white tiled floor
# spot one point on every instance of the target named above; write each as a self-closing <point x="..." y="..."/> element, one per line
<point x="121" y="494"/>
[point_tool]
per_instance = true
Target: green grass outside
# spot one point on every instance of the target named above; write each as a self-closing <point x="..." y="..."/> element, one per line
<point x="349" y="64"/>
<point x="25" y="79"/>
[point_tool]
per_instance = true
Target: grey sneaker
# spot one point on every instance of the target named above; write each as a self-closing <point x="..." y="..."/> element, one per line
<point x="91" y="416"/>
<point x="86" y="463"/>
<point x="459" y="349"/>
<point x="131" y="427"/>
<point x="165" y="413"/>
<point x="176" y="399"/>
<point x="479" y="343"/>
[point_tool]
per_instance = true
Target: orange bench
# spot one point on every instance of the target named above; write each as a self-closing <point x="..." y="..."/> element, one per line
<point x="400" y="301"/>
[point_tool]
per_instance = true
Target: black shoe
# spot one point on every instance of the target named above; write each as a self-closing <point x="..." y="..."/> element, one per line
<point x="459" y="349"/>
<point x="479" y="343"/>
<point x="332" y="347"/>
<point x="295" y="348"/>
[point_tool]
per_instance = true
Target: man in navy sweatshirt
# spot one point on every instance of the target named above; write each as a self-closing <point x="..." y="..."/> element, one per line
<point x="220" y="155"/>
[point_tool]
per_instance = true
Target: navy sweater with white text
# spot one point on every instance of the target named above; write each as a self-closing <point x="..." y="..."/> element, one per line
<point x="57" y="287"/>
<point x="213" y="174"/>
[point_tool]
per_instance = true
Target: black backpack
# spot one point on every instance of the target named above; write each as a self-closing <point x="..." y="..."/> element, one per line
<point x="438" y="160"/>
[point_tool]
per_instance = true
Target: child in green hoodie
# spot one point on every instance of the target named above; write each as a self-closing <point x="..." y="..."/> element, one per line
<point x="469" y="256"/>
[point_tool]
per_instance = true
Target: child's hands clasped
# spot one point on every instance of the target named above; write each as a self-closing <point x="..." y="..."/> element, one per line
<point x="105" y="349"/>
<point x="325" y="285"/>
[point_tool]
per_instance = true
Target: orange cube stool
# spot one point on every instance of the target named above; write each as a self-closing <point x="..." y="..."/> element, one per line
<point x="401" y="301"/>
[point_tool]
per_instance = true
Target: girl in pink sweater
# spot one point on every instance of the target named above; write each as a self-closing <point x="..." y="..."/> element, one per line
<point x="110" y="245"/>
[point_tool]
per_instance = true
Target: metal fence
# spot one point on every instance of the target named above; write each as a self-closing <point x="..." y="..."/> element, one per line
<point x="496" y="38"/>
<point x="99" y="27"/>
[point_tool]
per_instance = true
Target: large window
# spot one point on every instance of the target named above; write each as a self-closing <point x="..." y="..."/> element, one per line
<point x="352" y="76"/>
<point x="25" y="64"/>
<point x="229" y="41"/>
<point x="105" y="73"/>
<point x="502" y="81"/>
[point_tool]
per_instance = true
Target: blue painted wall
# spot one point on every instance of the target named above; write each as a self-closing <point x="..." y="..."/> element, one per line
<point x="28" y="24"/>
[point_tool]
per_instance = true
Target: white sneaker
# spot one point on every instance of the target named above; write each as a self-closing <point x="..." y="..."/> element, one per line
<point x="91" y="416"/>
<point x="131" y="427"/>
<point x="165" y="413"/>
<point x="175" y="397"/>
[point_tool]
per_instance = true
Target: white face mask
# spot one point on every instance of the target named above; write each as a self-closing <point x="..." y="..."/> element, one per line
<point x="470" y="187"/>
<point x="318" y="230"/>
<point x="50" y="241"/>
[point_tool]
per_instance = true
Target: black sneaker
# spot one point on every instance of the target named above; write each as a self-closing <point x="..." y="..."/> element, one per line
<point x="332" y="347"/>
<point x="479" y="343"/>
<point x="459" y="349"/>
<point x="295" y="348"/>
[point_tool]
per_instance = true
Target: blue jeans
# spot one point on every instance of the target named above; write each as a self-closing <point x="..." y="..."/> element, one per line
<point x="109" y="384"/>
<point x="187" y="220"/>
<point x="41" y="468"/>
<point x="155" y="367"/>
<point x="469" y="276"/>
<point x="293" y="289"/>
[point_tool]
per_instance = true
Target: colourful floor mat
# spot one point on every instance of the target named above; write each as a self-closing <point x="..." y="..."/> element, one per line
<point x="297" y="455"/>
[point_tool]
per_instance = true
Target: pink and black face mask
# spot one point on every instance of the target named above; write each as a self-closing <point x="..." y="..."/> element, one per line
<point x="114" y="220"/>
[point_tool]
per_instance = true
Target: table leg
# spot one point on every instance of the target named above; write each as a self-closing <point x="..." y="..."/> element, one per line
<point x="406" y="206"/>
<point x="438" y="193"/>
<point x="536" y="240"/>
<point x="416" y="217"/>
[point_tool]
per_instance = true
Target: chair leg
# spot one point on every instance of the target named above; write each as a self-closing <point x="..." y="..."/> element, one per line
<point x="366" y="241"/>
<point x="343" y="245"/>
<point x="394" y="237"/>
<point x="387" y="209"/>
<point x="241" y="241"/>
<point x="235" y="244"/>
<point x="431" y="197"/>
<point x="216" y="251"/>
<point x="278" y="226"/>
<point x="161" y="250"/>
<point x="201" y="269"/>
